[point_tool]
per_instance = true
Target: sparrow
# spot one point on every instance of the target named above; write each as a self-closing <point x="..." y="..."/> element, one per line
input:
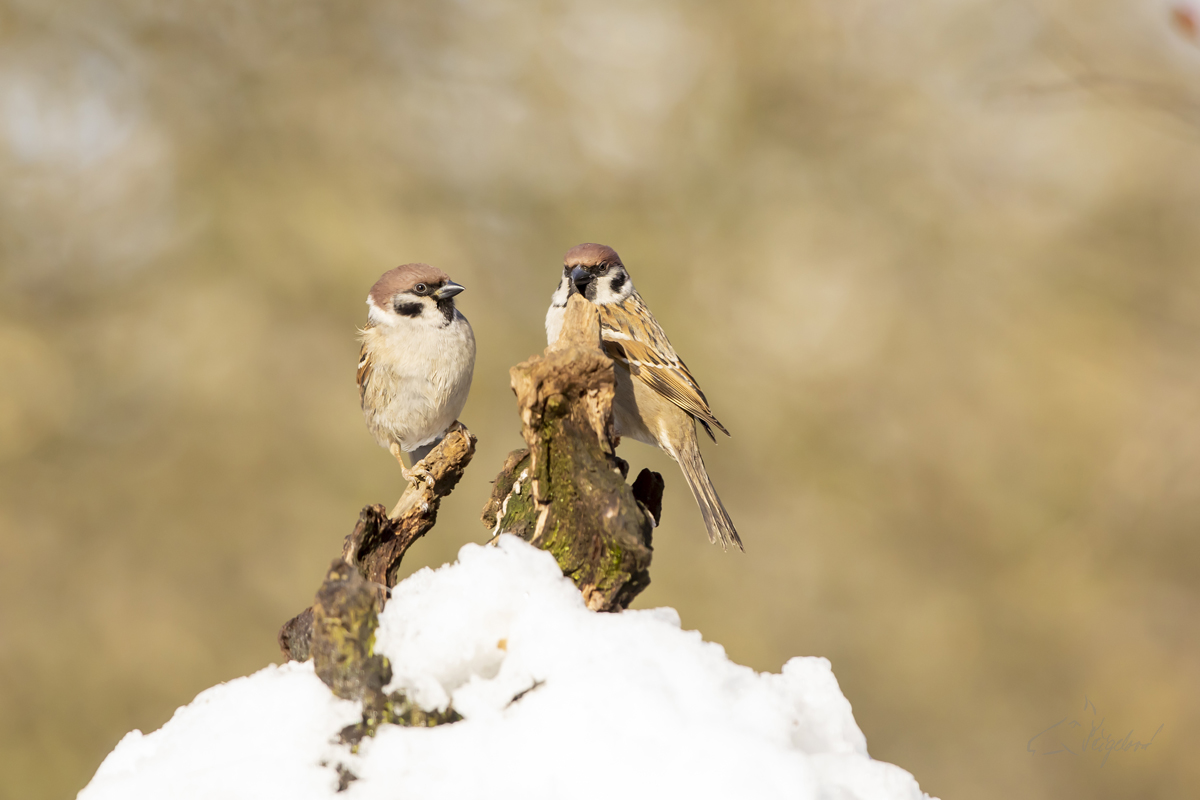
<point x="657" y="400"/>
<point x="418" y="354"/>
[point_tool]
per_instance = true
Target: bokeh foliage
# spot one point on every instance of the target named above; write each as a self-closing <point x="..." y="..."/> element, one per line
<point x="935" y="264"/>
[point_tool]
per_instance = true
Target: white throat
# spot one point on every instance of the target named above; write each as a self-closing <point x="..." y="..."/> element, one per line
<point x="557" y="310"/>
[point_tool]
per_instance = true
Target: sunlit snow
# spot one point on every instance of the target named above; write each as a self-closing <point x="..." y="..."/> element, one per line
<point x="559" y="702"/>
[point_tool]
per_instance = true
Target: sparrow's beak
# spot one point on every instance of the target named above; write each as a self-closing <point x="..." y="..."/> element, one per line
<point x="581" y="278"/>
<point x="448" y="290"/>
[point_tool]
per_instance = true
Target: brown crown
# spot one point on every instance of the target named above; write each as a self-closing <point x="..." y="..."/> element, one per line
<point x="404" y="278"/>
<point x="589" y="255"/>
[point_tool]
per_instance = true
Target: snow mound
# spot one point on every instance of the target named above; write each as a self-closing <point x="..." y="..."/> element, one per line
<point x="558" y="702"/>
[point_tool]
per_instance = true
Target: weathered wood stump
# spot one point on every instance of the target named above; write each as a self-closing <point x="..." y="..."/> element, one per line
<point x="567" y="494"/>
<point x="338" y="630"/>
<point x="343" y="637"/>
<point x="345" y="617"/>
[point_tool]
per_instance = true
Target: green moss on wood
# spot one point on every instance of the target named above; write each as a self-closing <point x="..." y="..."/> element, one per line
<point x="343" y="645"/>
<point x="393" y="709"/>
<point x="344" y="624"/>
<point x="581" y="510"/>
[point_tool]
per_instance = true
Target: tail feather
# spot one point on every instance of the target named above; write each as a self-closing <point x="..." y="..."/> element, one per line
<point x="716" y="518"/>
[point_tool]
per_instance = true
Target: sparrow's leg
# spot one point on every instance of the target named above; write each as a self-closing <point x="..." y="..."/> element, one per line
<point x="417" y="471"/>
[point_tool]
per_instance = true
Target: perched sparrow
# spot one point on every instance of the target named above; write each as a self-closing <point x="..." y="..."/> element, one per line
<point x="657" y="400"/>
<point x="418" y="352"/>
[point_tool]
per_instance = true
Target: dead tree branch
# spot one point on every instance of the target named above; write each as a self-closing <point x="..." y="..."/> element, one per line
<point x="378" y="542"/>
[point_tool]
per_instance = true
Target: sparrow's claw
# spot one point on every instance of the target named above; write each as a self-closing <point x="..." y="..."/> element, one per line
<point x="418" y="473"/>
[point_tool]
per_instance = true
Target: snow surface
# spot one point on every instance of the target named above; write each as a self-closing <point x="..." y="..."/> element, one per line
<point x="626" y="705"/>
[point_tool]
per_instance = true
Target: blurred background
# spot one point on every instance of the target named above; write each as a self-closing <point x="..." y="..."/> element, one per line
<point x="935" y="264"/>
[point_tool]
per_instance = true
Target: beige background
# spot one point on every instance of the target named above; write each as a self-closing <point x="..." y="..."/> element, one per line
<point x="935" y="263"/>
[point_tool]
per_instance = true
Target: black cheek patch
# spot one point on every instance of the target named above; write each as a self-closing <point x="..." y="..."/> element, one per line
<point x="408" y="309"/>
<point x="617" y="283"/>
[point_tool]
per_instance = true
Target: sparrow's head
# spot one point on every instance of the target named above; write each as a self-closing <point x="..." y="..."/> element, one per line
<point x="417" y="293"/>
<point x="596" y="272"/>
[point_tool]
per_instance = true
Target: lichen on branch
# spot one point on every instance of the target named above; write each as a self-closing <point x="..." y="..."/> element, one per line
<point x="567" y="493"/>
<point x="338" y="630"/>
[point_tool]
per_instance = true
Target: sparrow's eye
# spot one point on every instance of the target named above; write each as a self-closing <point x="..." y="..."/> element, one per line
<point x="420" y="288"/>
<point x="603" y="270"/>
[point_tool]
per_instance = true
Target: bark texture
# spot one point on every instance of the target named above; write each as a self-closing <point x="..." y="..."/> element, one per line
<point x="345" y="618"/>
<point x="338" y="630"/>
<point x="567" y="493"/>
<point x="343" y="639"/>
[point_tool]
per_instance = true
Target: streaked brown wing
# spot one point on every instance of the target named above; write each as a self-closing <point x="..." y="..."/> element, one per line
<point x="364" y="372"/>
<point x="634" y="337"/>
